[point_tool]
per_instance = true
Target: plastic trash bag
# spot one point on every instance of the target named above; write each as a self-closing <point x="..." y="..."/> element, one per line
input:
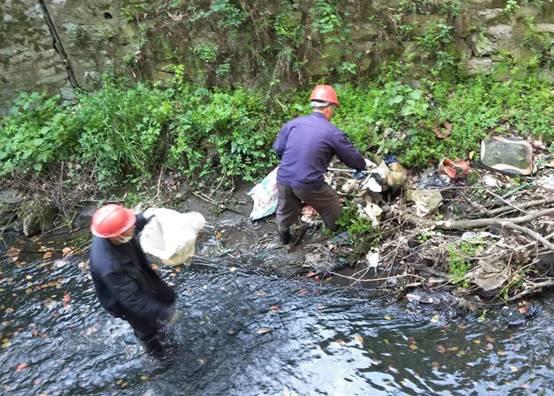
<point x="264" y="195"/>
<point x="171" y="235"/>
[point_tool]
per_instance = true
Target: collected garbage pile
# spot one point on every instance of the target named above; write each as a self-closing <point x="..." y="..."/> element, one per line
<point x="485" y="230"/>
<point x="481" y="227"/>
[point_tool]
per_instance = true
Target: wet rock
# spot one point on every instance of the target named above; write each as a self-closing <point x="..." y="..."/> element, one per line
<point x="518" y="316"/>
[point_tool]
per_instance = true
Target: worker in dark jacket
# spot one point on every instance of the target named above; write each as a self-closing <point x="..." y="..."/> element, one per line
<point x="126" y="285"/>
<point x="306" y="146"/>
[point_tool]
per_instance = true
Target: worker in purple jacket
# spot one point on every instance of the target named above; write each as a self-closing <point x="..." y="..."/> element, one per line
<point x="305" y="146"/>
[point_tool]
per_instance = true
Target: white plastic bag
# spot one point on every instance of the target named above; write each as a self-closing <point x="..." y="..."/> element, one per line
<point x="264" y="195"/>
<point x="171" y="235"/>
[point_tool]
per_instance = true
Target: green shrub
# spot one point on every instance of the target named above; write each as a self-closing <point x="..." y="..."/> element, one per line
<point x="120" y="130"/>
<point x="37" y="131"/>
<point x="226" y="134"/>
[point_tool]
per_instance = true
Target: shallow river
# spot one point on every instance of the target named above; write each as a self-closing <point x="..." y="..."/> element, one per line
<point x="246" y="334"/>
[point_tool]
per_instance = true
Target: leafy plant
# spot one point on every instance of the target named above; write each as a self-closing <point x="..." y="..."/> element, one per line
<point x="37" y="131"/>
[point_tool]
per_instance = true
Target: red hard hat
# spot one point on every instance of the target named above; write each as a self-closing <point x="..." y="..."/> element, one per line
<point x="325" y="93"/>
<point x="112" y="220"/>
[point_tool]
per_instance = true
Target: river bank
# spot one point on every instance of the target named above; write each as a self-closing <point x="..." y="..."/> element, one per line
<point x="419" y="270"/>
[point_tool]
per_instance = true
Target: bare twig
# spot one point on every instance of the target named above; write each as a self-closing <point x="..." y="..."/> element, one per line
<point x="377" y="279"/>
<point x="537" y="287"/>
<point x="535" y="235"/>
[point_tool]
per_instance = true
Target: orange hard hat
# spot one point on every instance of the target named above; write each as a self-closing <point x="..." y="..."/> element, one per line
<point x="112" y="220"/>
<point x="325" y="93"/>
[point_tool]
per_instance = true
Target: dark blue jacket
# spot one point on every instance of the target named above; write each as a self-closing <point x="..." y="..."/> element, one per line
<point x="126" y="285"/>
<point x="306" y="145"/>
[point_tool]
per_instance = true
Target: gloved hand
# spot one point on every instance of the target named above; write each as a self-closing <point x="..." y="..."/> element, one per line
<point x="149" y="214"/>
<point x="359" y="175"/>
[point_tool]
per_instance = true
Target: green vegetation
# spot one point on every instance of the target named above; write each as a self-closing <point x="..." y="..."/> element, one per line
<point x="125" y="134"/>
<point x="460" y="258"/>
<point x="362" y="234"/>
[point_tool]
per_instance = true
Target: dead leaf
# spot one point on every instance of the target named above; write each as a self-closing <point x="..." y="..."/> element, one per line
<point x="264" y="330"/>
<point x="21" y="366"/>
<point x="443" y="133"/>
<point x="66" y="251"/>
<point x="514" y="369"/>
<point x="48" y="254"/>
<point x="275" y="308"/>
<point x="441" y="348"/>
<point x="452" y="349"/>
<point x="387" y="317"/>
<point x="260" y="293"/>
<point x="340" y="342"/>
<point x="359" y="340"/>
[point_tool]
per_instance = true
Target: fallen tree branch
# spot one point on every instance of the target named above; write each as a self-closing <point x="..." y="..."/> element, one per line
<point x="537" y="287"/>
<point x="535" y="235"/>
<point x="526" y="205"/>
<point x="475" y="223"/>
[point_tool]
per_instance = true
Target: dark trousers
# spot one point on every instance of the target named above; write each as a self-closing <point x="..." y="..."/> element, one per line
<point x="325" y="200"/>
<point x="149" y="333"/>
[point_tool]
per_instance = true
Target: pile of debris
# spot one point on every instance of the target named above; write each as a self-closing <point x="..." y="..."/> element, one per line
<point x="478" y="227"/>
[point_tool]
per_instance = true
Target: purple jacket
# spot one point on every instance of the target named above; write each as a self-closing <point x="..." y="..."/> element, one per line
<point x="306" y="145"/>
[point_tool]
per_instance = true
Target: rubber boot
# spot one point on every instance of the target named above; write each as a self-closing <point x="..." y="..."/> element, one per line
<point x="285" y="236"/>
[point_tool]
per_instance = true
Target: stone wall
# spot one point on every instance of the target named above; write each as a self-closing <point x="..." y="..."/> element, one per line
<point x="57" y="45"/>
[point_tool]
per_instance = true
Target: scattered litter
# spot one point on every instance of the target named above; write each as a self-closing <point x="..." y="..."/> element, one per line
<point x="264" y="195"/>
<point x="371" y="212"/>
<point x="513" y="157"/>
<point x="470" y="235"/>
<point x="456" y="169"/>
<point x="491" y="181"/>
<point x="433" y="179"/>
<point x="171" y="235"/>
<point x="546" y="182"/>
<point x="349" y="186"/>
<point x="309" y="214"/>
<point x="372" y="258"/>
<point x="426" y="201"/>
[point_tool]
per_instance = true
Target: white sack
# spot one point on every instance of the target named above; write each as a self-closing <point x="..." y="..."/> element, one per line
<point x="171" y="235"/>
<point x="264" y="195"/>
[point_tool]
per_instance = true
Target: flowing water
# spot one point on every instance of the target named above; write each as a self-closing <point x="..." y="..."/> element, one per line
<point x="242" y="333"/>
